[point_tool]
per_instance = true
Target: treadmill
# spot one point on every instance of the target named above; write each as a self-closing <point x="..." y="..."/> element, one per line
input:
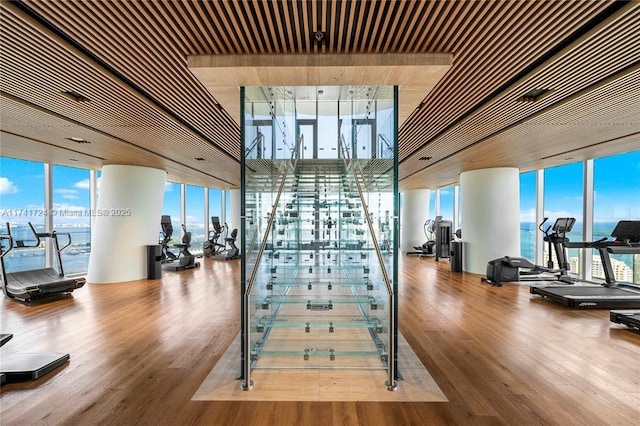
<point x="30" y="285"/>
<point x="28" y="366"/>
<point x="630" y="318"/>
<point x="611" y="294"/>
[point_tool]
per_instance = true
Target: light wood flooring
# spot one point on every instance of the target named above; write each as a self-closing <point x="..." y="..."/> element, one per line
<point x="140" y="351"/>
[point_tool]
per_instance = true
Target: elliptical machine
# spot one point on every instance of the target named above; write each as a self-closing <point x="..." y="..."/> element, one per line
<point x="233" y="252"/>
<point x="426" y="249"/>
<point x="184" y="259"/>
<point x="215" y="250"/>
<point x="439" y="236"/>
<point x="508" y="269"/>
<point x="212" y="247"/>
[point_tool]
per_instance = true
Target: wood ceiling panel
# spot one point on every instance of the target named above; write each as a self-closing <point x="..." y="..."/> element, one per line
<point x="134" y="59"/>
<point x="602" y="121"/>
<point x="49" y="142"/>
<point x="560" y="75"/>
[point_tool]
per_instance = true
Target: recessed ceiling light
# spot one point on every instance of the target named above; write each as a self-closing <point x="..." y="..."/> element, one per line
<point x="76" y="96"/>
<point x="78" y="139"/>
<point x="534" y="95"/>
<point x="319" y="36"/>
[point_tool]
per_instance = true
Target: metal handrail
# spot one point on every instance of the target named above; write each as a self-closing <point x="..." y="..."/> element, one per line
<point x="259" y="137"/>
<point x="292" y="164"/>
<point x="350" y="163"/>
<point x="382" y="137"/>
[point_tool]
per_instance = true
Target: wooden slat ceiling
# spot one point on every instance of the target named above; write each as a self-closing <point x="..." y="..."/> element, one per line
<point x="129" y="58"/>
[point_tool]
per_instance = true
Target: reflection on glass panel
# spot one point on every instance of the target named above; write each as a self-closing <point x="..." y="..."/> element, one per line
<point x="194" y="219"/>
<point x="528" y="226"/>
<point x="616" y="199"/>
<point x="22" y="190"/>
<point x="308" y="140"/>
<point x="328" y="122"/>
<point x="563" y="197"/>
<point x="71" y="203"/>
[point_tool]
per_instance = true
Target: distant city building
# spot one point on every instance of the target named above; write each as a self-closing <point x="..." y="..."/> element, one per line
<point x="621" y="271"/>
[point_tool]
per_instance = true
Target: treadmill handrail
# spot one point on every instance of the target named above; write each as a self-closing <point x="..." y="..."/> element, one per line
<point x="8" y="236"/>
<point x="3" y="253"/>
<point x="53" y="235"/>
<point x="589" y="244"/>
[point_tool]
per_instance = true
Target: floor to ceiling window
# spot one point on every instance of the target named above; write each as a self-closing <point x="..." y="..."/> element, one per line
<point x="446" y="203"/>
<point x="563" y="197"/>
<point x="616" y="199"/>
<point x="215" y="206"/>
<point x="171" y="207"/>
<point x="432" y="205"/>
<point x="194" y="220"/>
<point x="72" y="215"/>
<point x="528" y="225"/>
<point x="22" y="190"/>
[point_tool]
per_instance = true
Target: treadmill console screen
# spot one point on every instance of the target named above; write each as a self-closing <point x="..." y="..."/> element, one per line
<point x="627" y="230"/>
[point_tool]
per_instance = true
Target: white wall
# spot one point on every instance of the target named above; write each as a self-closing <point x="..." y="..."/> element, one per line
<point x="127" y="219"/>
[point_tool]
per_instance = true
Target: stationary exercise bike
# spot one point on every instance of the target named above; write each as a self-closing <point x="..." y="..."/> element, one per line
<point x="508" y="269"/>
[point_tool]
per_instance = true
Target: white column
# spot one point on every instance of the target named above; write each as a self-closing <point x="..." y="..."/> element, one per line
<point x="127" y="219"/>
<point x="587" y="221"/>
<point x="48" y="219"/>
<point x="538" y="242"/>
<point x="491" y="216"/>
<point x="415" y="212"/>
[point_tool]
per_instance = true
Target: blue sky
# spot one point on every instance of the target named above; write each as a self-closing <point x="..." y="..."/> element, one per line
<point x="617" y="192"/>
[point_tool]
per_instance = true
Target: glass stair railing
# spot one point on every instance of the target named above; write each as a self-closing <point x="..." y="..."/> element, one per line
<point x="318" y="233"/>
<point x="317" y="293"/>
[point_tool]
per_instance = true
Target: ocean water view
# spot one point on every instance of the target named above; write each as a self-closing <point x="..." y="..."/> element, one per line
<point x="529" y="232"/>
<point x="75" y="258"/>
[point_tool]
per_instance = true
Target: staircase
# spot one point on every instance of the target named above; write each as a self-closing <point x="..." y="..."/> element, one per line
<point x="316" y="288"/>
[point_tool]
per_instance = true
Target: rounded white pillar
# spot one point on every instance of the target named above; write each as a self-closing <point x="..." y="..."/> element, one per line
<point x="414" y="213"/>
<point x="490" y="201"/>
<point x="127" y="219"/>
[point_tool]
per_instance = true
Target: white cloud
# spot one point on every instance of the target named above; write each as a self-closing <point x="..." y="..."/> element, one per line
<point x="69" y="194"/>
<point x="561" y="213"/>
<point x="7" y="186"/>
<point x="83" y="184"/>
<point x="64" y="191"/>
<point x="528" y="215"/>
<point x="67" y="207"/>
<point x="168" y="186"/>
